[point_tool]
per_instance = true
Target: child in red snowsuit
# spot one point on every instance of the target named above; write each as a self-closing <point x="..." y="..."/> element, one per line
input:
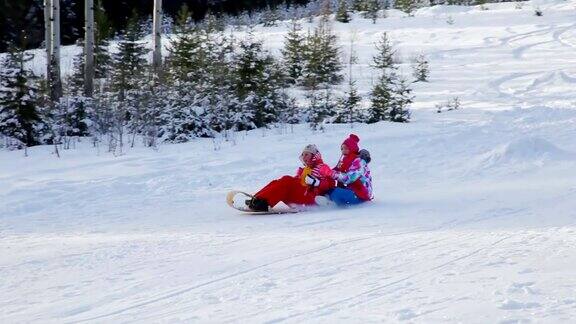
<point x="300" y="189"/>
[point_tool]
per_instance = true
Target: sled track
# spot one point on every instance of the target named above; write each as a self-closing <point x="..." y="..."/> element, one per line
<point x="507" y="41"/>
<point x="442" y="226"/>
<point x="243" y="272"/>
<point x="358" y="262"/>
<point x="558" y="36"/>
<point x="355" y="300"/>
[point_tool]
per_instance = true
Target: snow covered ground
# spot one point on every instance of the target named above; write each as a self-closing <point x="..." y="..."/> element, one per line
<point x="474" y="219"/>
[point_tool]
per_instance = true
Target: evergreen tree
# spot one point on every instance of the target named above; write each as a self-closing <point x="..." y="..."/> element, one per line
<point x="251" y="62"/>
<point x="322" y="107"/>
<point x="187" y="53"/>
<point x="103" y="28"/>
<point x="271" y="17"/>
<point x="66" y="119"/>
<point x="139" y="108"/>
<point x="70" y="19"/>
<point x="20" y="19"/>
<point x="407" y="6"/>
<point x="103" y="32"/>
<point x="359" y="5"/>
<point x="103" y="66"/>
<point x="181" y="116"/>
<point x="538" y="12"/>
<point x="452" y="104"/>
<point x="322" y="58"/>
<point x="144" y="107"/>
<point x="128" y="84"/>
<point x="102" y="59"/>
<point x="19" y="118"/>
<point x="250" y="65"/>
<point x="218" y="65"/>
<point x="390" y="99"/>
<point x="153" y="104"/>
<point x="390" y="95"/>
<point x="184" y="21"/>
<point x="372" y="7"/>
<point x="258" y="83"/>
<point x="184" y="98"/>
<point x="384" y="58"/>
<point x="381" y="97"/>
<point x="129" y="63"/>
<point x="326" y="10"/>
<point x="291" y="114"/>
<point x="101" y="116"/>
<point x="71" y="111"/>
<point x="213" y="23"/>
<point x="421" y="69"/>
<point x="274" y="99"/>
<point x="347" y="106"/>
<point x="293" y="53"/>
<point x="399" y="112"/>
<point x="200" y="82"/>
<point x="347" y="109"/>
<point x="75" y="81"/>
<point x="343" y="15"/>
<point x="216" y="88"/>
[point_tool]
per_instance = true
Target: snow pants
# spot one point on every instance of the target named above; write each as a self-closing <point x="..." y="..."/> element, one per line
<point x="288" y="190"/>
<point x="344" y="197"/>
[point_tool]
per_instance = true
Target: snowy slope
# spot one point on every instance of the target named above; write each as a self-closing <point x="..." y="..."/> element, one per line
<point x="474" y="218"/>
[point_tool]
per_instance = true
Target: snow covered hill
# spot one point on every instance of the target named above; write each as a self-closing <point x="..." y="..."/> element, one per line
<point x="474" y="218"/>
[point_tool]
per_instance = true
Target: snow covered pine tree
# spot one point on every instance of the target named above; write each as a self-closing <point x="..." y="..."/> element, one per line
<point x="19" y="118"/>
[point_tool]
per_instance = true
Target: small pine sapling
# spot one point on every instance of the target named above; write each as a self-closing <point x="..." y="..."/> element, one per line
<point x="421" y="68"/>
<point x="452" y="104"/>
<point x="538" y="12"/>
<point x="342" y="15"/>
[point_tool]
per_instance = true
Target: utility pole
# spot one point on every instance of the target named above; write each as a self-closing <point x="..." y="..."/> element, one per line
<point x="89" y="48"/>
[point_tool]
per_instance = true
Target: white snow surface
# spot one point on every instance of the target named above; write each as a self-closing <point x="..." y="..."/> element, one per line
<point x="474" y="219"/>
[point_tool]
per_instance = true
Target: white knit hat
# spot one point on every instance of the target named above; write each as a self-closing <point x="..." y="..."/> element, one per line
<point x="310" y="148"/>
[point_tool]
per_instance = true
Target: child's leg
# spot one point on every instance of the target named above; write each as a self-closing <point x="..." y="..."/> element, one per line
<point x="344" y="197"/>
<point x="278" y="190"/>
<point x="300" y="195"/>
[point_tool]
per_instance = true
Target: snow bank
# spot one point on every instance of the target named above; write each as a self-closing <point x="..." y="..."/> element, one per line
<point x="524" y="150"/>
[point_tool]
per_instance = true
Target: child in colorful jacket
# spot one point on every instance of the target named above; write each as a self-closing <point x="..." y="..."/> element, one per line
<point x="301" y="189"/>
<point x="352" y="174"/>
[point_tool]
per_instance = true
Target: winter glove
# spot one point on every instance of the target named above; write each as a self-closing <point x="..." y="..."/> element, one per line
<point x="312" y="181"/>
<point x="323" y="171"/>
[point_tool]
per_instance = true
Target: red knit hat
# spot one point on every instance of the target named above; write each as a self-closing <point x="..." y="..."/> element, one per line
<point x="352" y="143"/>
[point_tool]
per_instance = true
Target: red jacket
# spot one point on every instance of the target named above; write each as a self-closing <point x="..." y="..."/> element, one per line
<point x="326" y="184"/>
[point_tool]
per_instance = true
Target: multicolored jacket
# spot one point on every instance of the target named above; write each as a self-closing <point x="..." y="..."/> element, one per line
<point x="356" y="177"/>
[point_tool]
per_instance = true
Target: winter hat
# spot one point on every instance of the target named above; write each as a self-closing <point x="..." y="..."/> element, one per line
<point x="310" y="148"/>
<point x="352" y="143"/>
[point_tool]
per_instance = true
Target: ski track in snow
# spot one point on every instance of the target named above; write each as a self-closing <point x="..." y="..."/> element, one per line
<point x="473" y="220"/>
<point x="372" y="292"/>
